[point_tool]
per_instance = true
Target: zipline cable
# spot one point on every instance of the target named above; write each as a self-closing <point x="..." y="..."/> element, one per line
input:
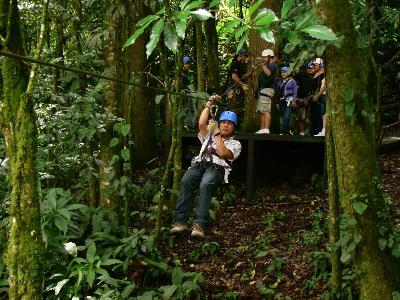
<point x="56" y="66"/>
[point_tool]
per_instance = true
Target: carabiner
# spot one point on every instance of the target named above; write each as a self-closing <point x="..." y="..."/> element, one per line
<point x="213" y="111"/>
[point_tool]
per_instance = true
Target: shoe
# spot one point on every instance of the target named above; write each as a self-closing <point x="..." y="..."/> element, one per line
<point x="197" y="231"/>
<point x="266" y="131"/>
<point x="302" y="134"/>
<point x="261" y="131"/>
<point x="322" y="133"/>
<point x="178" y="228"/>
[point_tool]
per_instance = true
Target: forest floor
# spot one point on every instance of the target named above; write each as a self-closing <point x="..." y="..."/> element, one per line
<point x="273" y="245"/>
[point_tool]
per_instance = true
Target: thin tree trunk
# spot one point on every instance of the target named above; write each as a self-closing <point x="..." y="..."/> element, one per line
<point x="59" y="45"/>
<point x="333" y="217"/>
<point x="199" y="57"/>
<point x="356" y="163"/>
<point x="111" y="101"/>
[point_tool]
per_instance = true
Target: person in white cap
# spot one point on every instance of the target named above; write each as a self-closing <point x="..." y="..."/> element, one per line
<point x="266" y="92"/>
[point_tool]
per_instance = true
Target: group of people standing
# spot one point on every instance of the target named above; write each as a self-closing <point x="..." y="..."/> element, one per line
<point x="303" y="93"/>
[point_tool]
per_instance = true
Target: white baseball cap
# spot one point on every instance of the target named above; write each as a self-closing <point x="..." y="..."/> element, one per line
<point x="267" y="52"/>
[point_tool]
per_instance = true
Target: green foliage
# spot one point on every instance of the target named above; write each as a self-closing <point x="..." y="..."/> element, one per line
<point x="349" y="238"/>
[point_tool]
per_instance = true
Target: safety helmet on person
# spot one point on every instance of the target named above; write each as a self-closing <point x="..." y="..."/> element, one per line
<point x="284" y="69"/>
<point x="229" y="116"/>
<point x="319" y="61"/>
<point x="186" y="59"/>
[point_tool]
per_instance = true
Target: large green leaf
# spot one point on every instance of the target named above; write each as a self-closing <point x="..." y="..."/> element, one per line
<point x="90" y="276"/>
<point x="125" y="154"/>
<point x="91" y="251"/>
<point x="214" y="3"/>
<point x="286" y="7"/>
<point x="155" y="36"/>
<point x="360" y="207"/>
<point x="232" y="24"/>
<point x="171" y="38"/>
<point x="320" y="32"/>
<point x="143" y="23"/>
<point x="242" y="40"/>
<point x="192" y="5"/>
<point x="266" y="34"/>
<point x="177" y="276"/>
<point x="181" y="28"/>
<point x="254" y="7"/>
<point x="168" y="290"/>
<point x="305" y="20"/>
<point x="202" y="14"/>
<point x="239" y="32"/>
<point x="265" y="17"/>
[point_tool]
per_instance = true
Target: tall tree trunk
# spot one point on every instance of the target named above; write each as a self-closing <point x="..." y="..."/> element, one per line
<point x="111" y="99"/>
<point x="211" y="38"/>
<point x="251" y="120"/>
<point x="18" y="121"/>
<point x="59" y="44"/>
<point x="355" y="160"/>
<point x="201" y="86"/>
<point x="140" y="101"/>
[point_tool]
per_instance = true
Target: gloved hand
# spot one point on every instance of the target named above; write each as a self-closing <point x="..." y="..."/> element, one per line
<point x="314" y="98"/>
<point x="213" y="127"/>
<point x="245" y="87"/>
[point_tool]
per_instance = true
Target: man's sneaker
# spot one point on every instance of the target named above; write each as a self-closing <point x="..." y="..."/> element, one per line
<point x="197" y="231"/>
<point x="322" y="133"/>
<point x="266" y="131"/>
<point x="178" y="228"/>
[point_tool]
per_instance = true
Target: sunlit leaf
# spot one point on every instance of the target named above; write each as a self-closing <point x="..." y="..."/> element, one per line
<point x="239" y="32"/>
<point x="305" y="20"/>
<point x="155" y="36"/>
<point x="320" y="32"/>
<point x="202" y="14"/>
<point x="265" y="17"/>
<point x="266" y="35"/>
<point x="181" y="28"/>
<point x="59" y="286"/>
<point x="143" y="23"/>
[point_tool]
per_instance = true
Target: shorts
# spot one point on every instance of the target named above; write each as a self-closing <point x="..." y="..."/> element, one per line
<point x="264" y="101"/>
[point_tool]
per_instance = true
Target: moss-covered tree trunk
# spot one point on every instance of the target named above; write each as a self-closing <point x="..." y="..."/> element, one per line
<point x="355" y="160"/>
<point x="18" y="122"/>
<point x="111" y="98"/>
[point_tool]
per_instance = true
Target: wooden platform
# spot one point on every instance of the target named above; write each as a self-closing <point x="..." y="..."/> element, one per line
<point x="268" y="159"/>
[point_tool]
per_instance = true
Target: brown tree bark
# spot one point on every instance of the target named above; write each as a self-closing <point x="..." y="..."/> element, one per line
<point x="211" y="39"/>
<point x="139" y="105"/>
<point x="355" y="160"/>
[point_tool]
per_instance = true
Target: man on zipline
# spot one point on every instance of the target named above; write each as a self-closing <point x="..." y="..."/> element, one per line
<point x="208" y="170"/>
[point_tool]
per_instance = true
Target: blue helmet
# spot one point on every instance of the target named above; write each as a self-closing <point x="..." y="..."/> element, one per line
<point x="229" y="116"/>
<point x="186" y="59"/>
<point x="285" y="69"/>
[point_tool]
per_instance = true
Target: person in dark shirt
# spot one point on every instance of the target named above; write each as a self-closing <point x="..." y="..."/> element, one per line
<point x="304" y="91"/>
<point x="266" y="92"/>
<point x="237" y="83"/>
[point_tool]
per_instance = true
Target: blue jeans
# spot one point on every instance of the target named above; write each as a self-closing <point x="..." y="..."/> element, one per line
<point x="205" y="176"/>
<point x="286" y="111"/>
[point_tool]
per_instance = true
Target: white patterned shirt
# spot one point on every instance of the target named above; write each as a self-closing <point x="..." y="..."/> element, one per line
<point x="233" y="145"/>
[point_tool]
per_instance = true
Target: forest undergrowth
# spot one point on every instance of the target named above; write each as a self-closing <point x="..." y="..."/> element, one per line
<point x="275" y="246"/>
